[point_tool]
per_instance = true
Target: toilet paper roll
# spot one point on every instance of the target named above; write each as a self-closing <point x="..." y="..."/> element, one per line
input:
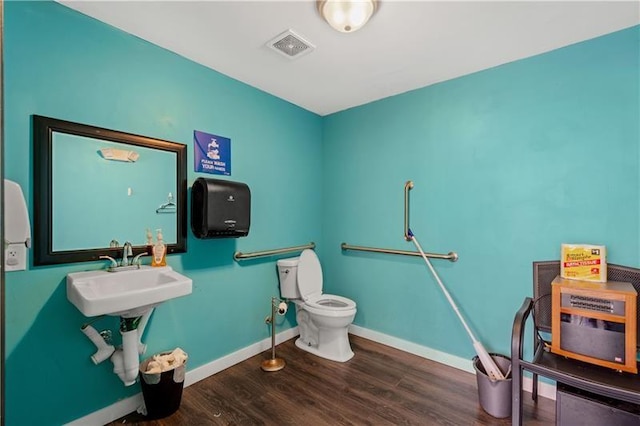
<point x="282" y="308"/>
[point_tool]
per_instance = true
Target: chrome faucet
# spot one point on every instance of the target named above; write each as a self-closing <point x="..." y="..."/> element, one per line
<point x="136" y="260"/>
<point x="126" y="251"/>
<point x="125" y="264"/>
<point x="113" y="264"/>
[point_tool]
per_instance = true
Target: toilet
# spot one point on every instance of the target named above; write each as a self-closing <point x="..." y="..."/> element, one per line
<point x="323" y="319"/>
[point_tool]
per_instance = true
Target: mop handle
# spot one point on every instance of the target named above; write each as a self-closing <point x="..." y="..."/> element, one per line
<point x="492" y="370"/>
<point x="442" y="287"/>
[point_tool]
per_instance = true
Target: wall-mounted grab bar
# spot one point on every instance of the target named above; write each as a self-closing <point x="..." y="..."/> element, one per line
<point x="238" y="256"/>
<point x="452" y="256"/>
<point x="407" y="187"/>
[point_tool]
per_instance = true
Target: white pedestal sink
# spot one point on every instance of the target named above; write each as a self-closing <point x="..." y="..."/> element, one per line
<point x="129" y="293"/>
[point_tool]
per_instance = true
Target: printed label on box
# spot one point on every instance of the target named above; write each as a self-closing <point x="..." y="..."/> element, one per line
<point x="583" y="262"/>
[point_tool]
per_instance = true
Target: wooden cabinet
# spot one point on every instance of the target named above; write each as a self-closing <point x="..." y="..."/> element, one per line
<point x="594" y="322"/>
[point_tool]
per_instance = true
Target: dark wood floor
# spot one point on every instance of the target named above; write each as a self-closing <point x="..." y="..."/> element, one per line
<point x="379" y="386"/>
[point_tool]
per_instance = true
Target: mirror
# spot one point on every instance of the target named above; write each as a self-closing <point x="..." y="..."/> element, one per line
<point x="95" y="189"/>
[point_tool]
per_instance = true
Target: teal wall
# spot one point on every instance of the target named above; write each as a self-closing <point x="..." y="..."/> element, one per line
<point x="62" y="64"/>
<point x="507" y="163"/>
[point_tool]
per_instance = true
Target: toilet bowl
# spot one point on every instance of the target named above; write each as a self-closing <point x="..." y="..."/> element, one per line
<point x="323" y="319"/>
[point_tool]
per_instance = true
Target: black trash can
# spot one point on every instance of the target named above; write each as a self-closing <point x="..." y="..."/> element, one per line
<point x="162" y="392"/>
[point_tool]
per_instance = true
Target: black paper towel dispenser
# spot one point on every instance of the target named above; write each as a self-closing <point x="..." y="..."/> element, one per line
<point x="220" y="208"/>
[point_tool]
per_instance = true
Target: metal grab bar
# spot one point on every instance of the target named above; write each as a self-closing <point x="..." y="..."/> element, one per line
<point x="238" y="256"/>
<point x="407" y="187"/>
<point x="452" y="256"/>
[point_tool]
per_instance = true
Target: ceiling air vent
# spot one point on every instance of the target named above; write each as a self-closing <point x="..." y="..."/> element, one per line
<point x="291" y="45"/>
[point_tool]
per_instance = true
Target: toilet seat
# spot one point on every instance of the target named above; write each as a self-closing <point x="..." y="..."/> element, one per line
<point x="325" y="305"/>
<point x="309" y="275"/>
<point x="331" y="302"/>
<point x="310" y="286"/>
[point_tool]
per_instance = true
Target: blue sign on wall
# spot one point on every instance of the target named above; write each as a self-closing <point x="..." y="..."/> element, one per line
<point x="212" y="153"/>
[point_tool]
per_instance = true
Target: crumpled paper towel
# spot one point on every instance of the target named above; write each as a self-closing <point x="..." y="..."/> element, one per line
<point x="166" y="362"/>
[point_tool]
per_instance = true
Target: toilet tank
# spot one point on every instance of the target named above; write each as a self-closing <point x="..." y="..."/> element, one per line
<point x="288" y="277"/>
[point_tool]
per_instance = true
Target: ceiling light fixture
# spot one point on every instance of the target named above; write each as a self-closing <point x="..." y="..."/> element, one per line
<point x="347" y="16"/>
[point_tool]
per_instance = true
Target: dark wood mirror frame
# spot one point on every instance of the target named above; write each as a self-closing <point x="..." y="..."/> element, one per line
<point x="43" y="129"/>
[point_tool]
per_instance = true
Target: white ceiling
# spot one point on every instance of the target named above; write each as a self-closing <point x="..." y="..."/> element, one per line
<point x="406" y="45"/>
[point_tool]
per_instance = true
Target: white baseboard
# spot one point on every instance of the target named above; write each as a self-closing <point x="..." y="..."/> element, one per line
<point x="234" y="358"/>
<point x="110" y="413"/>
<point x="126" y="406"/>
<point x="546" y="390"/>
<point x="414" y="348"/>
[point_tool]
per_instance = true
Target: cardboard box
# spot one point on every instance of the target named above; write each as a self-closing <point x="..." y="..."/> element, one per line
<point x="583" y="262"/>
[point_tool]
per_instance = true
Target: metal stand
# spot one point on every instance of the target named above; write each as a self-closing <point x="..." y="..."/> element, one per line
<point x="273" y="364"/>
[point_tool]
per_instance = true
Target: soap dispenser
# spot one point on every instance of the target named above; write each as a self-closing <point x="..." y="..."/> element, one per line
<point x="149" y="245"/>
<point x="159" y="251"/>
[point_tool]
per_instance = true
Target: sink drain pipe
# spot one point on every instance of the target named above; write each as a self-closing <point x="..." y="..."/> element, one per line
<point x="104" y="350"/>
<point x="126" y="360"/>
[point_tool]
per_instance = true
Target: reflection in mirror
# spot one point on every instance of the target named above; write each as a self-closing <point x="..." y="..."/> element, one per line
<point x="97" y="189"/>
<point x="130" y="191"/>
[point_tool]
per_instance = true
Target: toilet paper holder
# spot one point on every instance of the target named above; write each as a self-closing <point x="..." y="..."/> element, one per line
<point x="274" y="364"/>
